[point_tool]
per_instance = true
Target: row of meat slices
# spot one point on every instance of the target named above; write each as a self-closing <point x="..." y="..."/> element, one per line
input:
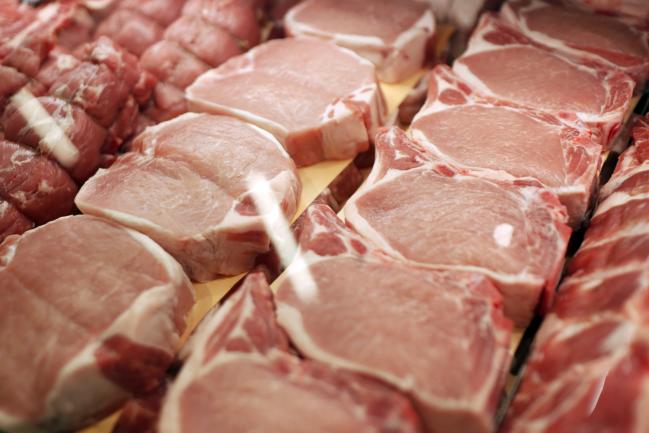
<point x="591" y="353"/>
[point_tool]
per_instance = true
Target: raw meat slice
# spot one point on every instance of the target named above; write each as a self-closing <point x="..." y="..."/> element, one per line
<point x="131" y="30"/>
<point x="241" y="377"/>
<point x="503" y="63"/>
<point x="12" y="222"/>
<point x="392" y="35"/>
<point x="164" y="12"/>
<point x="58" y="63"/>
<point x="186" y="185"/>
<point x="589" y="38"/>
<point x="58" y="129"/>
<point x="321" y="101"/>
<point x="624" y="198"/>
<point x="591" y="352"/>
<point x="504" y="141"/>
<point x="633" y="8"/>
<point x="104" y="303"/>
<point x="454" y="366"/>
<point x="237" y="17"/>
<point x="424" y="211"/>
<point x="35" y="185"/>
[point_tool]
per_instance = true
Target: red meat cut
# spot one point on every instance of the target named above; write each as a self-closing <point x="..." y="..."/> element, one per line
<point x="102" y="306"/>
<point x="456" y="220"/>
<point x="12" y="222"/>
<point x="447" y="336"/>
<point x="505" y="141"/>
<point x="35" y="185"/>
<point x="595" y="39"/>
<point x="631" y="8"/>
<point x="502" y="63"/>
<point x="321" y="101"/>
<point x="392" y="35"/>
<point x="186" y="185"/>
<point x="241" y="377"/>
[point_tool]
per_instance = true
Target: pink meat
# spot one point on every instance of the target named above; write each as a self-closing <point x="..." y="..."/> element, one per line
<point x="454" y="367"/>
<point x="502" y="63"/>
<point x="98" y="353"/>
<point x="392" y="35"/>
<point x="212" y="44"/>
<point x="591" y="353"/>
<point x="457" y="220"/>
<point x="186" y="185"/>
<point x="131" y="30"/>
<point x="12" y="222"/>
<point x="65" y="133"/>
<point x="321" y="101"/>
<point x="35" y="185"/>
<point x="172" y="64"/>
<point x="237" y="17"/>
<point x="240" y="376"/>
<point x="501" y="140"/>
<point x="601" y="40"/>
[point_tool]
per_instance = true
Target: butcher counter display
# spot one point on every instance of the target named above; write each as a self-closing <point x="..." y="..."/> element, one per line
<point x="241" y="216"/>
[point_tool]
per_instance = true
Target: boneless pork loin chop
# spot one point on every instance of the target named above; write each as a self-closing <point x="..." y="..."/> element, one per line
<point x="422" y="210"/>
<point x="91" y="314"/>
<point x="187" y="184"/>
<point x="392" y="35"/>
<point x="321" y="101"/>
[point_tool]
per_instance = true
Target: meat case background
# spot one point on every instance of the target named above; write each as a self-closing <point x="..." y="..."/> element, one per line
<point x="323" y="215"/>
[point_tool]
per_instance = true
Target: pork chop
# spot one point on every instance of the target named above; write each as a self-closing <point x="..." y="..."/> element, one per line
<point x="241" y="378"/>
<point x="503" y="63"/>
<point x="321" y="101"/>
<point x="426" y="212"/>
<point x="439" y="336"/>
<point x="597" y="39"/>
<point x="91" y="314"/>
<point x="505" y="141"/>
<point x="392" y="35"/>
<point x="186" y="184"/>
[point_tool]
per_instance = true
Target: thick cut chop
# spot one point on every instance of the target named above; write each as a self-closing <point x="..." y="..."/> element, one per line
<point x="506" y="141"/>
<point x="321" y="101"/>
<point x="91" y="313"/>
<point x="592" y="351"/>
<point x="392" y="35"/>
<point x="187" y="185"/>
<point x="241" y="377"/>
<point x="503" y="63"/>
<point x="424" y="211"/>
<point x="446" y="337"/>
<point x="590" y="38"/>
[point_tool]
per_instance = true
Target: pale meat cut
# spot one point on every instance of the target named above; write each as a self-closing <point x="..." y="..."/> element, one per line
<point x="454" y="367"/>
<point x="592" y="352"/>
<point x="422" y="210"/>
<point x="321" y="101"/>
<point x="187" y="184"/>
<point x="595" y="39"/>
<point x="241" y="377"/>
<point x="503" y="63"/>
<point x="103" y="305"/>
<point x="505" y="141"/>
<point x="392" y="35"/>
